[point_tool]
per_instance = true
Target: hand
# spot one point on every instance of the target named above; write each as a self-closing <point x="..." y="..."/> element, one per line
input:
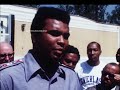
<point x="117" y="78"/>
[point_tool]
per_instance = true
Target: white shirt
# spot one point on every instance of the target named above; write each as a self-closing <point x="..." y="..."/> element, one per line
<point x="89" y="75"/>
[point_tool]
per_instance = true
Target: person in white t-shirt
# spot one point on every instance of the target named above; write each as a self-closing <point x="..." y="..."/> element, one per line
<point x="90" y="71"/>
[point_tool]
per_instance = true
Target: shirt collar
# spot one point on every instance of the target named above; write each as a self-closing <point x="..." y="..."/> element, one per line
<point x="115" y="88"/>
<point x="31" y="67"/>
<point x="61" y="73"/>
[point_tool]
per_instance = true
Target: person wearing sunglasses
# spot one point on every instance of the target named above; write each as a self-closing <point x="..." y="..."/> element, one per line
<point x="6" y="53"/>
<point x="107" y="79"/>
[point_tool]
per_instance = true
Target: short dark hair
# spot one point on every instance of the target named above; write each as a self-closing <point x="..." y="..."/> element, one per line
<point x="118" y="51"/>
<point x="71" y="49"/>
<point x="117" y="55"/>
<point x="48" y="12"/>
<point x="94" y="43"/>
<point x="113" y="64"/>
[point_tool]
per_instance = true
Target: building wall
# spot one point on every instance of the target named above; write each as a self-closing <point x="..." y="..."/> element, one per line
<point x="22" y="38"/>
<point x="82" y="31"/>
<point x="79" y="37"/>
<point x="108" y="40"/>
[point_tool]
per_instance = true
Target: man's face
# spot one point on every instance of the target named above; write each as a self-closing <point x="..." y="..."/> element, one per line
<point x="6" y="54"/>
<point x="70" y="60"/>
<point x="54" y="40"/>
<point x="93" y="52"/>
<point x="107" y="78"/>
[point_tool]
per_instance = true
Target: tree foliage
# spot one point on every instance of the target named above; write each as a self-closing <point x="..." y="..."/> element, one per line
<point x="114" y="17"/>
<point x="91" y="11"/>
<point x="94" y="12"/>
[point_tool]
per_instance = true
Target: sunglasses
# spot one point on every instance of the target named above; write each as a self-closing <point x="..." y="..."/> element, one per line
<point x="109" y="74"/>
<point x="4" y="55"/>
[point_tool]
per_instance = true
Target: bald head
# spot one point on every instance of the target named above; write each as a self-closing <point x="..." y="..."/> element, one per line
<point x="112" y="67"/>
<point x="5" y="46"/>
<point x="6" y="52"/>
<point x="108" y="75"/>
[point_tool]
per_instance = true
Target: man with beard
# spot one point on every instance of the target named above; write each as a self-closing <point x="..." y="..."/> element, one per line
<point x="40" y="68"/>
<point x="90" y="71"/>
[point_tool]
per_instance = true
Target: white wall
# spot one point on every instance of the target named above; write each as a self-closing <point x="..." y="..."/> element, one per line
<point x="27" y="14"/>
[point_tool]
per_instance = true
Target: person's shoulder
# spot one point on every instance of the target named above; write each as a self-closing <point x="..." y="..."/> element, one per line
<point x="117" y="87"/>
<point x="84" y="64"/>
<point x="81" y="64"/>
<point x="102" y="64"/>
<point x="10" y="64"/>
<point x="69" y="72"/>
<point x="66" y="68"/>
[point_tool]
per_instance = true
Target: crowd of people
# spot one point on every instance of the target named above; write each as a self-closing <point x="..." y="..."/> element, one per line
<point x="51" y="63"/>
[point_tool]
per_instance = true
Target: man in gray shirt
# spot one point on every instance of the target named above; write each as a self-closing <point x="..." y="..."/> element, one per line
<point x="40" y="68"/>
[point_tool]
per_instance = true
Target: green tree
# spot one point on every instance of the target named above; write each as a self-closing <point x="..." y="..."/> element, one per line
<point x="114" y="17"/>
<point x="69" y="8"/>
<point x="94" y="12"/>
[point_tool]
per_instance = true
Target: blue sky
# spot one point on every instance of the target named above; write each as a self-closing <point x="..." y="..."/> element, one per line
<point x="110" y="8"/>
